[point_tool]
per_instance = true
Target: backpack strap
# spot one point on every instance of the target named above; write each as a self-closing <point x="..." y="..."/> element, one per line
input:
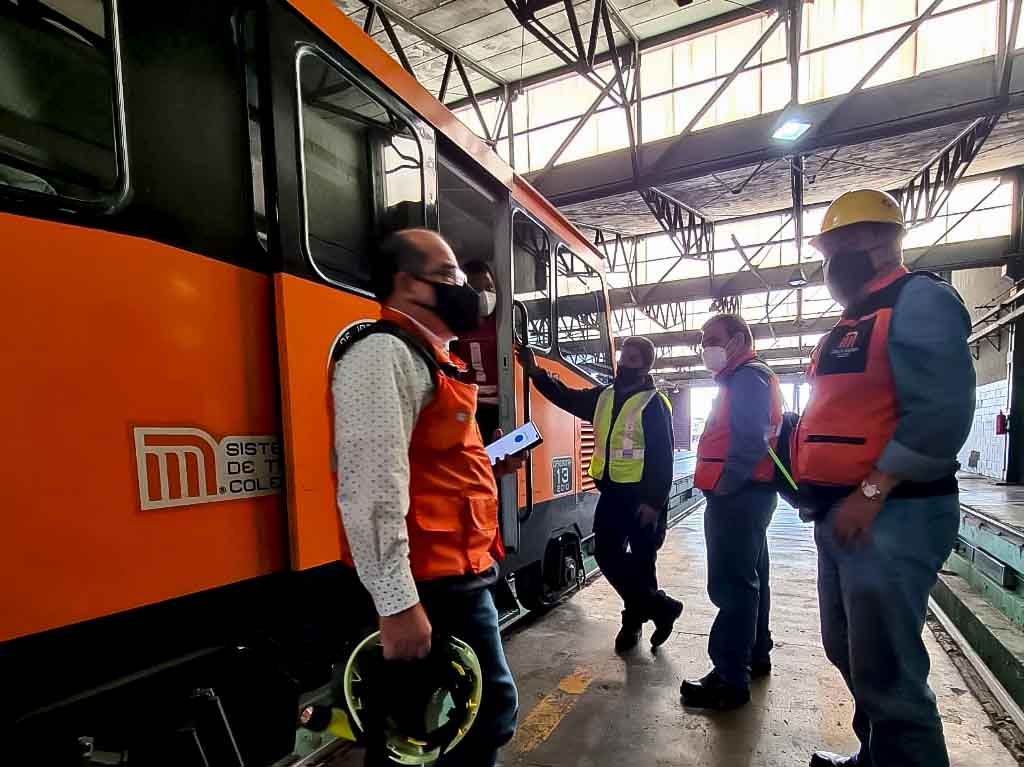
<point x="414" y="342"/>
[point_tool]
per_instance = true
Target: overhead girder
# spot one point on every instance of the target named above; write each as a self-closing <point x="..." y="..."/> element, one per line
<point x="923" y="196"/>
<point x="794" y="371"/>
<point x="928" y="101"/>
<point x="990" y="251"/>
<point x="781" y="353"/>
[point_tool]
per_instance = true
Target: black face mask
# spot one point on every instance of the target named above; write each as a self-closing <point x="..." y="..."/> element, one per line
<point x="847" y="272"/>
<point x="628" y="377"/>
<point x="458" y="306"/>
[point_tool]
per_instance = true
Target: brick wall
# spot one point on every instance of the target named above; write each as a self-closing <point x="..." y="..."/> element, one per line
<point x="990" y="448"/>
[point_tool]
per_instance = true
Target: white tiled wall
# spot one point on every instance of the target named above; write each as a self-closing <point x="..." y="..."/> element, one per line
<point x="983" y="438"/>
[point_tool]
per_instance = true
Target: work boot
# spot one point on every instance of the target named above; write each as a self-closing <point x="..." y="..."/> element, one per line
<point x="630" y="633"/>
<point x="760" y="668"/>
<point x="828" y="759"/>
<point x="668" y="614"/>
<point x="713" y="692"/>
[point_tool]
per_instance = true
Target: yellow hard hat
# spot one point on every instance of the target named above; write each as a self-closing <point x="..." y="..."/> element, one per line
<point x="860" y="207"/>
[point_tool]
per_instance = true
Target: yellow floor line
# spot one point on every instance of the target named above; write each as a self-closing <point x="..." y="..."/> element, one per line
<point x="549" y="712"/>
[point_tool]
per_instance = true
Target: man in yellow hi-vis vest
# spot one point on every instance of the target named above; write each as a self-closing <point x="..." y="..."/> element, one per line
<point x="632" y="467"/>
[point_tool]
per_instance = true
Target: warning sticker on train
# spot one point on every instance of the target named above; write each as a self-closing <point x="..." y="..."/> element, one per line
<point x="187" y="466"/>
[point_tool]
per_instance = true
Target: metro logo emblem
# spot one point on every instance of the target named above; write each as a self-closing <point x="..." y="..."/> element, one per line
<point x="187" y="466"/>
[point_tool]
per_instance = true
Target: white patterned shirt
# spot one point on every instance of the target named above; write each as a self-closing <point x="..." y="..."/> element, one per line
<point x="379" y="388"/>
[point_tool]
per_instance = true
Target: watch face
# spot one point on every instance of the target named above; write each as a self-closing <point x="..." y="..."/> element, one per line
<point x="869" y="490"/>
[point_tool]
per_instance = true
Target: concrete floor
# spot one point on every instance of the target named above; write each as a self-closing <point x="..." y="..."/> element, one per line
<point x="999" y="501"/>
<point x="582" y="705"/>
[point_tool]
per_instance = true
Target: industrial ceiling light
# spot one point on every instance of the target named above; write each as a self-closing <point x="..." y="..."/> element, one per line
<point x="791" y="130"/>
<point x="798" y="278"/>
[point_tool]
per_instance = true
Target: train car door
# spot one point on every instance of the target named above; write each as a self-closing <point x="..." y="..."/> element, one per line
<point x="473" y="215"/>
<point x="351" y="160"/>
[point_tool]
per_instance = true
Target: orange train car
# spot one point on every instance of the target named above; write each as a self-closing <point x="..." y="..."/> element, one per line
<point x="187" y="198"/>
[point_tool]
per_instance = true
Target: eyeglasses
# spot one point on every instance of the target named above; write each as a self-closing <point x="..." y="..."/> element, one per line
<point x="450" y="275"/>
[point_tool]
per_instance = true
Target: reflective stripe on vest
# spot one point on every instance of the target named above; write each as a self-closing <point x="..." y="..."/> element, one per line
<point x="852" y="411"/>
<point x="713" y="448"/>
<point x="626" y="451"/>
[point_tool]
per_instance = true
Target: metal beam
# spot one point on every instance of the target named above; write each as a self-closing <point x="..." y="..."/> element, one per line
<point x="794" y="39"/>
<point x="990" y="251"/>
<point x="724" y="86"/>
<point x="928" y="190"/>
<point x="759" y="330"/>
<point x="692" y="233"/>
<point x="386" y="8"/>
<point x="875" y="68"/>
<point x="778" y="353"/>
<point x="705" y="375"/>
<point x="928" y="101"/>
<point x="1005" y="59"/>
<point x="720" y="21"/>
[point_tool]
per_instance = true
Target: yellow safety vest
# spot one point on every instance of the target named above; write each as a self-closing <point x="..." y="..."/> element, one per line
<point x="627" y="436"/>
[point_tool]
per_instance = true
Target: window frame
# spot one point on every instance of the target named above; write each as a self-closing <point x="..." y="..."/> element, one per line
<point x="105" y="203"/>
<point x="562" y="246"/>
<point x="421" y="133"/>
<point x="550" y="349"/>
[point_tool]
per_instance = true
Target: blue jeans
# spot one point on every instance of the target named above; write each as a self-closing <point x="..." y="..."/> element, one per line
<point x="472" y="617"/>
<point x="874" y="599"/>
<point x="735" y="528"/>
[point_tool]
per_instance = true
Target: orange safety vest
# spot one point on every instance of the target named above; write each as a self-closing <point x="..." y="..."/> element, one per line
<point x="713" y="448"/>
<point x="453" y="497"/>
<point x="852" y="411"/>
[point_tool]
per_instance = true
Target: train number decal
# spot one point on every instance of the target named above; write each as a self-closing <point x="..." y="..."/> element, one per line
<point x="561" y="474"/>
<point x="187" y="466"/>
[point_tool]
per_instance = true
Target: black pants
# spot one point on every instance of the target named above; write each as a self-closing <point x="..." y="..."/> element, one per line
<point x="633" y="572"/>
<point x="735" y="528"/>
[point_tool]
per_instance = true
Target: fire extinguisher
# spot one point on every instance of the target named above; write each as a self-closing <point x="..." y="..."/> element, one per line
<point x="1002" y="427"/>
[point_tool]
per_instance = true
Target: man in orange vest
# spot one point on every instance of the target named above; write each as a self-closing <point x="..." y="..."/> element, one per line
<point x="892" y="400"/>
<point x="734" y="470"/>
<point x="479" y="347"/>
<point x="416" y="489"/>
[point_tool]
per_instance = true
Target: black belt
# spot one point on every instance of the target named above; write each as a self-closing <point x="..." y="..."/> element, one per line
<point x="819" y="499"/>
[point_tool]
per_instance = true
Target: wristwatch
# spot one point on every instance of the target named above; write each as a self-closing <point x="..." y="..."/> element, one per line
<point x="871" y="491"/>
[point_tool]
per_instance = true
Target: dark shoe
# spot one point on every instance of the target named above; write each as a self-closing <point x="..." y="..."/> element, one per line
<point x="828" y="759"/>
<point x="629" y="635"/>
<point x="670" y="611"/>
<point x="760" y="668"/>
<point x="713" y="692"/>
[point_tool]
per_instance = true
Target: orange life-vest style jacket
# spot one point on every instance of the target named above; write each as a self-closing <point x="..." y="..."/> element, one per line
<point x="852" y="411"/>
<point x="453" y="497"/>
<point x="713" y="448"/>
<point x="479" y="348"/>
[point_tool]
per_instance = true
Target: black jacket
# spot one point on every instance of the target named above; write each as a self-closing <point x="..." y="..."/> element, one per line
<point x="656" y="483"/>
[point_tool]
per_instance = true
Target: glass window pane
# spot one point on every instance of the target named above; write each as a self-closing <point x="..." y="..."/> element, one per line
<point x="531" y="259"/>
<point x="347" y="139"/>
<point x="57" y="134"/>
<point x="582" y="316"/>
<point x="941" y="41"/>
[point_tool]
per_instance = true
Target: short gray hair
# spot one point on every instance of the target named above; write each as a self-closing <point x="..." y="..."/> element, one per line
<point x="734" y="325"/>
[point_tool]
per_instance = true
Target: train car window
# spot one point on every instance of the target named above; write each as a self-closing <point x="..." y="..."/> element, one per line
<point x="531" y="266"/>
<point x="362" y="168"/>
<point x="582" y="316"/>
<point x="60" y="130"/>
<point x="252" y="95"/>
<point x="467" y="214"/>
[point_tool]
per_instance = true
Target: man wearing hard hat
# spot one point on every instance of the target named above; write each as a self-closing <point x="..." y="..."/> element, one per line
<point x="892" y="399"/>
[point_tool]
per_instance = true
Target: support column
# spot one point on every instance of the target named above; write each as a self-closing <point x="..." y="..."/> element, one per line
<point x="681" y="417"/>
<point x="1015" y="380"/>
